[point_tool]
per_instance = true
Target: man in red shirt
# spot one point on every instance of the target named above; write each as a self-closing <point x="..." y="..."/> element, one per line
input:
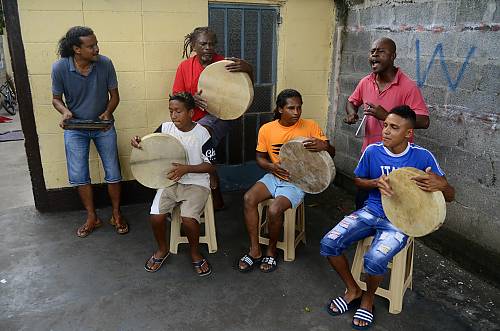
<point x="385" y="88"/>
<point x="202" y="41"/>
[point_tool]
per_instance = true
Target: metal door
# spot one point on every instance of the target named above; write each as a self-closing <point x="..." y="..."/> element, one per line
<point x="247" y="32"/>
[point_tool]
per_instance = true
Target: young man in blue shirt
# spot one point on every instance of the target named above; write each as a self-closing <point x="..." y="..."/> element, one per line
<point x="377" y="161"/>
<point x="88" y="83"/>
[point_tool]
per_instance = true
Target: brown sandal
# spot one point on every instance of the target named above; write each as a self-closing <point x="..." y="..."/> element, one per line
<point x="120" y="228"/>
<point x="85" y="229"/>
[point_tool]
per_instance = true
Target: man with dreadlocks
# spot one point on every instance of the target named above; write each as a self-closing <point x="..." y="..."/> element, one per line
<point x="202" y="41"/>
<point x="90" y="88"/>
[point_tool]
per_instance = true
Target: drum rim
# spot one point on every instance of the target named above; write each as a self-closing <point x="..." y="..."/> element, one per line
<point x="438" y="197"/>
<point x="324" y="155"/>
<point x="245" y="78"/>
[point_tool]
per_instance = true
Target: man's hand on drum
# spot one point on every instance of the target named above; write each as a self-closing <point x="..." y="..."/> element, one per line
<point x="135" y="142"/>
<point x="178" y="170"/>
<point x="239" y="65"/>
<point x="376" y="111"/>
<point x="199" y="100"/>
<point x="279" y="171"/>
<point x="314" y="144"/>
<point x="430" y="182"/>
<point x="383" y="186"/>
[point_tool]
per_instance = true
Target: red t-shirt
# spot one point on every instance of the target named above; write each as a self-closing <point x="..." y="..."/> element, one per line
<point x="401" y="91"/>
<point x="186" y="79"/>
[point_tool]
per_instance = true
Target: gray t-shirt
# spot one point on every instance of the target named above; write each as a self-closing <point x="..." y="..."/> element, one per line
<point x="85" y="96"/>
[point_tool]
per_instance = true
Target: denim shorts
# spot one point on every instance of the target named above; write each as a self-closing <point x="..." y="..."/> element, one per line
<point x="387" y="242"/>
<point x="77" y="144"/>
<point x="279" y="187"/>
<point x="218" y="128"/>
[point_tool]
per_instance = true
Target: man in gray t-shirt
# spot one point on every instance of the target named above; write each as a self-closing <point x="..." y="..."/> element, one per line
<point x="88" y="83"/>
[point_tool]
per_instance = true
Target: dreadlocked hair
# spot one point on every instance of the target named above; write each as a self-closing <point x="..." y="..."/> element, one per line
<point x="190" y="39"/>
<point x="72" y="38"/>
<point x="281" y="100"/>
<point x="185" y="97"/>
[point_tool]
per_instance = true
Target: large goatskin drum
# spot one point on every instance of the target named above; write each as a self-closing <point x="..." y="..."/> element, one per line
<point x="228" y="94"/>
<point x="153" y="161"/>
<point x="312" y="172"/>
<point x="412" y="210"/>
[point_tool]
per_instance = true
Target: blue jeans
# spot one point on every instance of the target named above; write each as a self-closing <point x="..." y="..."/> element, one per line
<point x="387" y="242"/>
<point x="77" y="144"/>
<point x="279" y="187"/>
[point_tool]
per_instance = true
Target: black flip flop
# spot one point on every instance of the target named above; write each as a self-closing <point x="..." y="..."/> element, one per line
<point x="363" y="315"/>
<point x="250" y="263"/>
<point x="342" y="305"/>
<point x="270" y="260"/>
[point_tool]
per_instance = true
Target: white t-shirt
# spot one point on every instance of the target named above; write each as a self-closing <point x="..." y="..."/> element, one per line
<point x="199" y="148"/>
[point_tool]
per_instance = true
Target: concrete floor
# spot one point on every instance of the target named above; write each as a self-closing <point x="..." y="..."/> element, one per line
<point x="14" y="175"/>
<point x="52" y="280"/>
<point x="56" y="281"/>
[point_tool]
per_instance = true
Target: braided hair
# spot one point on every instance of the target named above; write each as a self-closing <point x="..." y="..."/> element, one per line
<point x="191" y="38"/>
<point x="72" y="38"/>
<point x="281" y="100"/>
<point x="185" y="97"/>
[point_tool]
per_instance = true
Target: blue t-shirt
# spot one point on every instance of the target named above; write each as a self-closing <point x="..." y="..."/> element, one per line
<point x="85" y="96"/>
<point x="377" y="160"/>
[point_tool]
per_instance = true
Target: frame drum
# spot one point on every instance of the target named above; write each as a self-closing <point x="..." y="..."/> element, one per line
<point x="151" y="164"/>
<point x="412" y="210"/>
<point x="228" y="94"/>
<point x="312" y="172"/>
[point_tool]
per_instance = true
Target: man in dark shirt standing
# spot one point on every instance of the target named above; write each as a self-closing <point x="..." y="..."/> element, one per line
<point x="90" y="88"/>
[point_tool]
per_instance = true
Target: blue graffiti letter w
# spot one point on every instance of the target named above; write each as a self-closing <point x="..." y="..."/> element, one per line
<point x="452" y="85"/>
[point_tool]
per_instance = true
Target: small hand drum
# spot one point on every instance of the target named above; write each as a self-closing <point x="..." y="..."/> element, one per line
<point x="312" y="172"/>
<point x="413" y="211"/>
<point x="78" y="124"/>
<point x="153" y="161"/>
<point x="228" y="94"/>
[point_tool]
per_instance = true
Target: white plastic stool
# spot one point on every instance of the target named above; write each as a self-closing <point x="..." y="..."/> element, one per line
<point x="208" y="218"/>
<point x="401" y="273"/>
<point x="294" y="220"/>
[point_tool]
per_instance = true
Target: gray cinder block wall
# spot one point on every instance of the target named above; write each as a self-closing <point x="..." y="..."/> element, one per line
<point x="451" y="49"/>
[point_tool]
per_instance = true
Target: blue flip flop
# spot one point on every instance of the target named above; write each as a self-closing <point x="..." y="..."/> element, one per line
<point x="156" y="261"/>
<point x="198" y="264"/>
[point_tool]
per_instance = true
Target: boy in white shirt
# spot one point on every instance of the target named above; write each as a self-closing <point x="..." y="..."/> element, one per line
<point x="192" y="185"/>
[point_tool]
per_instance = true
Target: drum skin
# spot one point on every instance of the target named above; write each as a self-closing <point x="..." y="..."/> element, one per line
<point x="412" y="210"/>
<point x="153" y="161"/>
<point x="312" y="172"/>
<point x="228" y="94"/>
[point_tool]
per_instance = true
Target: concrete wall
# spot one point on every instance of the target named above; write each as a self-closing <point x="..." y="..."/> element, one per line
<point x="144" y="40"/>
<point x="451" y="48"/>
